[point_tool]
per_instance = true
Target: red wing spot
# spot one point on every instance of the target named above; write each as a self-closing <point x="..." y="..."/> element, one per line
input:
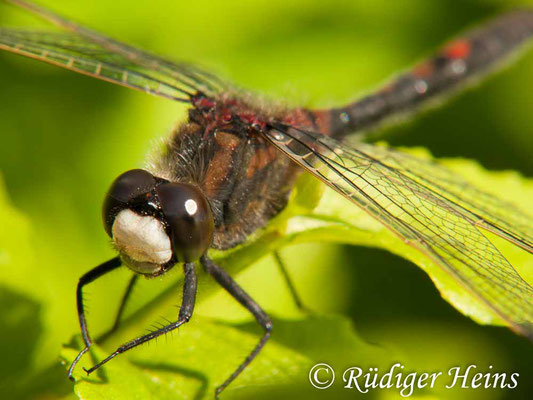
<point x="458" y="50"/>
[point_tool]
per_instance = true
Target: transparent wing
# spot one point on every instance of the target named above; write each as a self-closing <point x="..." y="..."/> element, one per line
<point x="88" y="52"/>
<point x="499" y="217"/>
<point x="430" y="209"/>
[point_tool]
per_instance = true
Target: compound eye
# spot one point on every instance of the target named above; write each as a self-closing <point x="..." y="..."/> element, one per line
<point x="188" y="215"/>
<point x="125" y="188"/>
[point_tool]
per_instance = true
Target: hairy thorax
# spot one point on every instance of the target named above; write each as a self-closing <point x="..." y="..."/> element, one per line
<point x="245" y="178"/>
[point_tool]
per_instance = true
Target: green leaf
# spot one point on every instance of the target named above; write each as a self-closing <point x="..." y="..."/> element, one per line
<point x="191" y="363"/>
<point x="201" y="356"/>
<point x="64" y="138"/>
<point x="334" y="219"/>
<point x="354" y="226"/>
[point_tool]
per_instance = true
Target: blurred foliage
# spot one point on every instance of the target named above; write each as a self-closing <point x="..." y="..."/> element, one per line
<point x="65" y="137"/>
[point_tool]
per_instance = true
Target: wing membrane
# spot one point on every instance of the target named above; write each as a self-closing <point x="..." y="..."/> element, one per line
<point x="88" y="52"/>
<point x="501" y="218"/>
<point x="429" y="208"/>
<point x="24" y="43"/>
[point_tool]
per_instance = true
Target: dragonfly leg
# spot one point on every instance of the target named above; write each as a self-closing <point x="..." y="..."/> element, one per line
<point x="185" y="314"/>
<point x="87" y="278"/>
<point x="242" y="297"/>
<point x="121" y="308"/>
<point x="283" y="269"/>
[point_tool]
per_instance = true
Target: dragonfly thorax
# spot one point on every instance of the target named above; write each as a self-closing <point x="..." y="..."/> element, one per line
<point x="228" y="113"/>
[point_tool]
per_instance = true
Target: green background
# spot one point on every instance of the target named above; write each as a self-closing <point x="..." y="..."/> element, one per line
<point x="65" y="137"/>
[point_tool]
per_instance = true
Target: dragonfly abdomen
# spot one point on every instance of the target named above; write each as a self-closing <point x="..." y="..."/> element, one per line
<point x="475" y="53"/>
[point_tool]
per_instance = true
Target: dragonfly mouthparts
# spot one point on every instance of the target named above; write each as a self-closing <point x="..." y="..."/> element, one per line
<point x="143" y="240"/>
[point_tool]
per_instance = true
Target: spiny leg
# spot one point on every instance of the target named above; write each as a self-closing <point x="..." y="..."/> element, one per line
<point x="283" y="269"/>
<point x="242" y="297"/>
<point x="87" y="278"/>
<point x="185" y="314"/>
<point x="121" y="308"/>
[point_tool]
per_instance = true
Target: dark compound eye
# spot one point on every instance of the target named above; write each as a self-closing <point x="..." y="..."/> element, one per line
<point x="188" y="215"/>
<point x="125" y="188"/>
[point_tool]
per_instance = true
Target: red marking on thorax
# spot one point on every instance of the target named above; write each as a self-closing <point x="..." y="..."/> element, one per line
<point x="203" y="102"/>
<point x="298" y="117"/>
<point x="458" y="49"/>
<point x="261" y="159"/>
<point x="323" y="121"/>
<point x="227" y="140"/>
<point x="219" y="166"/>
<point x="222" y="113"/>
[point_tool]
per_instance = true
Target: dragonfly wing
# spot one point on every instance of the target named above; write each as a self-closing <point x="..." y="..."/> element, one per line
<point x="88" y="52"/>
<point x="497" y="216"/>
<point x="182" y="72"/>
<point x="444" y="219"/>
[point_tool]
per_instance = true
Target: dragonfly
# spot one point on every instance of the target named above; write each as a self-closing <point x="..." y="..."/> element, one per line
<point x="229" y="168"/>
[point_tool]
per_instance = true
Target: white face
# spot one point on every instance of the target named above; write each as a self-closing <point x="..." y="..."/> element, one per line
<point x="143" y="240"/>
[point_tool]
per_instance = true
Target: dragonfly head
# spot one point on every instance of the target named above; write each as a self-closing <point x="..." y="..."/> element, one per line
<point x="155" y="223"/>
